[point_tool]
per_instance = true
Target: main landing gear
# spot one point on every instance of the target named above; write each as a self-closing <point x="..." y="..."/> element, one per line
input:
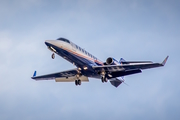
<point x="53" y="56"/>
<point x="104" y="79"/>
<point x="77" y="82"/>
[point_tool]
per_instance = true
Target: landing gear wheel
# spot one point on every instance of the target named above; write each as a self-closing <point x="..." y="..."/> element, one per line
<point x="105" y="79"/>
<point x="76" y="82"/>
<point x="79" y="82"/>
<point x="102" y="79"/>
<point x="53" y="56"/>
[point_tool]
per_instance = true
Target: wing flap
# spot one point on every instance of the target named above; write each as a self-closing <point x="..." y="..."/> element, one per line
<point x="71" y="79"/>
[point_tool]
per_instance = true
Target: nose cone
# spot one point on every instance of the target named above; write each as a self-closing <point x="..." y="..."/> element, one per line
<point x="47" y="41"/>
<point x="50" y="42"/>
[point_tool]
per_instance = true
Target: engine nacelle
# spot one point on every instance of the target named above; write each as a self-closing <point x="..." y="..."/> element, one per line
<point x="111" y="61"/>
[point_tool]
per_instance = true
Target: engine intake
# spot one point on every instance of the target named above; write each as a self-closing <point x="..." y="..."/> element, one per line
<point x="109" y="61"/>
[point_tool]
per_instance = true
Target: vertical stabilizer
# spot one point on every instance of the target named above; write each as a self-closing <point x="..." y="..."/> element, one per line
<point x="122" y="61"/>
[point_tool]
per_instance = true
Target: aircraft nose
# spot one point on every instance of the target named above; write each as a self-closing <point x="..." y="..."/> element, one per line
<point x="49" y="42"/>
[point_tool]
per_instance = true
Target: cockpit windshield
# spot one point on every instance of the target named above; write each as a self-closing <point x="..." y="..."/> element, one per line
<point x="63" y="39"/>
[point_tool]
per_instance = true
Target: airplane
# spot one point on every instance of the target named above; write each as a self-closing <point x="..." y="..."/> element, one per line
<point x="89" y="66"/>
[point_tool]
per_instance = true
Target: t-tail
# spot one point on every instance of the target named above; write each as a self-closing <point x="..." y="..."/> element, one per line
<point x="122" y="61"/>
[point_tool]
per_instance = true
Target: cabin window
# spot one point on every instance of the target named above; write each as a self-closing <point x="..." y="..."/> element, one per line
<point x="76" y="47"/>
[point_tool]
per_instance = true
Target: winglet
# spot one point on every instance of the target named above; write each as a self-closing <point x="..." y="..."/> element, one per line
<point x="164" y="62"/>
<point x="34" y="75"/>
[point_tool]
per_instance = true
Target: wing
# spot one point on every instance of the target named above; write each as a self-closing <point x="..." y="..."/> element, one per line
<point x="63" y="74"/>
<point x="127" y="69"/>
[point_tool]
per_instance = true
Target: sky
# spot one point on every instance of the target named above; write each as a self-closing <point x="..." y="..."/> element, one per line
<point x="132" y="29"/>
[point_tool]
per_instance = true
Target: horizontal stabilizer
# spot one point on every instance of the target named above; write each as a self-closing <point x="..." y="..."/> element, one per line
<point x="121" y="60"/>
